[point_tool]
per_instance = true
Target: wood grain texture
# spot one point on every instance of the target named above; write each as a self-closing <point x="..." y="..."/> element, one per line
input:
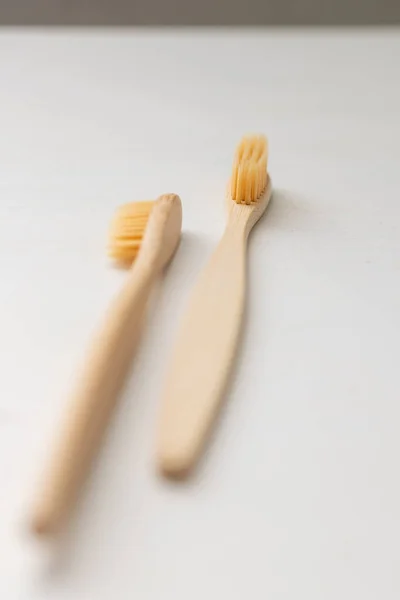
<point x="206" y="344"/>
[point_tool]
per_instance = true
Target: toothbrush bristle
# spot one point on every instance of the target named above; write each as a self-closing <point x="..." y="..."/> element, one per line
<point x="249" y="173"/>
<point x="127" y="230"/>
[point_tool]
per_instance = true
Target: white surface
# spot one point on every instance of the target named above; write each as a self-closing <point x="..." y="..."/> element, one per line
<point x="299" y="495"/>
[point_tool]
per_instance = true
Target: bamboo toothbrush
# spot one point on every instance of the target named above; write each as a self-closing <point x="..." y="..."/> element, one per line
<point x="208" y="335"/>
<point x="107" y="364"/>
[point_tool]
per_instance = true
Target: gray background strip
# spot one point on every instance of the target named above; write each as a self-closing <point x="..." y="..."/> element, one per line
<point x="199" y="12"/>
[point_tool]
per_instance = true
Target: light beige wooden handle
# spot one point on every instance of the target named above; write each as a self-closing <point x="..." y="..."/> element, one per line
<point x="92" y="405"/>
<point x="203" y="356"/>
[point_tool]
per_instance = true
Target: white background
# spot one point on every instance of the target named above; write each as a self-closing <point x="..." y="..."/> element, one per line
<point x="299" y="495"/>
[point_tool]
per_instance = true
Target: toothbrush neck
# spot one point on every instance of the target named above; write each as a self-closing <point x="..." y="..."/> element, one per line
<point x="146" y="264"/>
<point x="238" y="225"/>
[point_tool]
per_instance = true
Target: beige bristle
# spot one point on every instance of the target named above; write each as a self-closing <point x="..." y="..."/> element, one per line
<point x="127" y="230"/>
<point x="249" y="172"/>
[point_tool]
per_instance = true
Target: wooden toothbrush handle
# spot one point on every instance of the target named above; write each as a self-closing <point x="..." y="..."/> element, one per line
<point x="203" y="356"/>
<point x="91" y="406"/>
